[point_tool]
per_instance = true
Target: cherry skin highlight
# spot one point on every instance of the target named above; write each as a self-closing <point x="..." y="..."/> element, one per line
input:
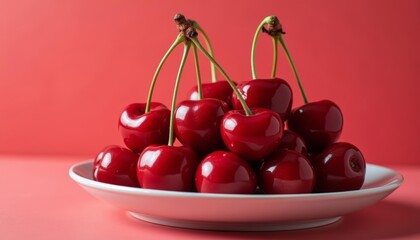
<point x="167" y="168"/>
<point x="318" y="123"/>
<point x="197" y="124"/>
<point x="340" y="167"/>
<point x="139" y="129"/>
<point x="225" y="172"/>
<point x="274" y="94"/>
<point x="116" y="165"/>
<point x="286" y="172"/>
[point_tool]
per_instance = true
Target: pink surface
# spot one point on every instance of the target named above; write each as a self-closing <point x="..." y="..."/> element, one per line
<point x="67" y="68"/>
<point x="42" y="202"/>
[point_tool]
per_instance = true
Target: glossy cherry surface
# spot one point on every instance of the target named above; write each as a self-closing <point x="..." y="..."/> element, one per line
<point x="116" y="165"/>
<point x="197" y="124"/>
<point x="274" y="94"/>
<point x="139" y="129"/>
<point x="341" y="167"/>
<point x="220" y="90"/>
<point x="252" y="137"/>
<point x="292" y="141"/>
<point x="225" y="172"/>
<point x="167" y="168"/>
<point x="318" y="123"/>
<point x="286" y="172"/>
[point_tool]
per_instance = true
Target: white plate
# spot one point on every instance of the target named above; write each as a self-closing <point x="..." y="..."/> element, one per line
<point x="258" y="212"/>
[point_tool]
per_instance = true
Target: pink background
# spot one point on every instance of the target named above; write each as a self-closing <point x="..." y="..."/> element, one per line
<point x="68" y="68"/>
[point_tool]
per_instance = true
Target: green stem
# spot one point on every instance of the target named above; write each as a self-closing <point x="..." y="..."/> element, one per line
<point x="254" y="43"/>
<point x="231" y="83"/>
<point x="197" y="69"/>
<point x="210" y="49"/>
<point x="187" y="46"/>
<point x="286" y="51"/>
<point x="275" y="53"/>
<point x="177" y="41"/>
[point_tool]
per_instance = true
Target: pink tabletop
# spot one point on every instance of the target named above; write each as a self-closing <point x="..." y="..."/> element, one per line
<point x="40" y="201"/>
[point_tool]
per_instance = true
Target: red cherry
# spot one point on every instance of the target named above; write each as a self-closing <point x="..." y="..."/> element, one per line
<point x="139" y="129"/>
<point x="287" y="172"/>
<point x="197" y="124"/>
<point x="292" y="141"/>
<point x="341" y="167"/>
<point x="318" y="123"/>
<point x="274" y="94"/>
<point x="225" y="172"/>
<point x="220" y="90"/>
<point x="116" y="165"/>
<point x="252" y="137"/>
<point x="167" y="168"/>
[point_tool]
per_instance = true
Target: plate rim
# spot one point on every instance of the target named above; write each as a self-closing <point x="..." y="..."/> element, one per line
<point x="390" y="186"/>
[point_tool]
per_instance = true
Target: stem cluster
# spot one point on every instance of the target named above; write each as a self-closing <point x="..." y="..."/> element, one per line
<point x="188" y="34"/>
<point x="271" y="25"/>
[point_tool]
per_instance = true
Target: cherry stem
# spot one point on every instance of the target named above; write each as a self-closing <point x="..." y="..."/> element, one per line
<point x="197" y="69"/>
<point x="231" y="83"/>
<point x="275" y="53"/>
<point x="254" y="43"/>
<point x="177" y="41"/>
<point x="209" y="47"/>
<point x="187" y="46"/>
<point x="286" y="51"/>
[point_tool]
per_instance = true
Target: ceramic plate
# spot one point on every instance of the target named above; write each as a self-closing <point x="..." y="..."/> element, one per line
<point x="257" y="212"/>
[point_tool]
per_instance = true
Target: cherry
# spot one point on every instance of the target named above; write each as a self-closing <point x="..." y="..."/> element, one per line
<point x="292" y="141"/>
<point x="286" y="172"/>
<point x="225" y="172"/>
<point x="197" y="121"/>
<point x="139" y="129"/>
<point x="144" y="124"/>
<point x="274" y="94"/>
<point x="252" y="137"/>
<point x="197" y="124"/>
<point x="116" y="165"/>
<point x="319" y="123"/>
<point x="219" y="90"/>
<point x="340" y="167"/>
<point x="167" y="168"/>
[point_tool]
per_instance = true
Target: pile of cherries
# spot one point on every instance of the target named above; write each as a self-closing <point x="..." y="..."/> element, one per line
<point x="233" y="138"/>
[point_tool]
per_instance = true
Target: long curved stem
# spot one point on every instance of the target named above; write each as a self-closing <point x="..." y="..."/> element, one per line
<point x="275" y="53"/>
<point x="197" y="70"/>
<point x="177" y="41"/>
<point x="254" y="43"/>
<point x="231" y="83"/>
<point x="187" y="46"/>
<point x="286" y="51"/>
<point x="210" y="50"/>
